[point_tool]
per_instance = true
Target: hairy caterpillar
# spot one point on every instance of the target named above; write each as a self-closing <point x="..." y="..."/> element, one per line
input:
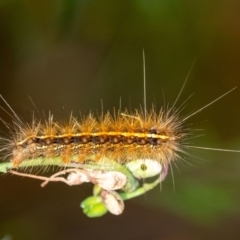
<point x="112" y="151"/>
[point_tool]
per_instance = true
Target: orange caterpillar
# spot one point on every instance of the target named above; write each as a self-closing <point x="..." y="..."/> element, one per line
<point x="122" y="137"/>
<point x="133" y="145"/>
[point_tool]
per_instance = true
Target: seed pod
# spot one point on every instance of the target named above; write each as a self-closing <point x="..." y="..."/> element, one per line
<point x="108" y="180"/>
<point x="144" y="168"/>
<point x="77" y="177"/>
<point x="113" y="202"/>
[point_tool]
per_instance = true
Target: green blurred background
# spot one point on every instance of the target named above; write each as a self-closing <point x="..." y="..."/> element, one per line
<point x="68" y="55"/>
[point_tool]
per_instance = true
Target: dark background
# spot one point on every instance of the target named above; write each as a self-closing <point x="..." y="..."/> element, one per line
<point x="68" y="55"/>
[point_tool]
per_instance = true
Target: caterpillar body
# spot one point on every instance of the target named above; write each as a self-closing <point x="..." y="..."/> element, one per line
<point x="123" y="137"/>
